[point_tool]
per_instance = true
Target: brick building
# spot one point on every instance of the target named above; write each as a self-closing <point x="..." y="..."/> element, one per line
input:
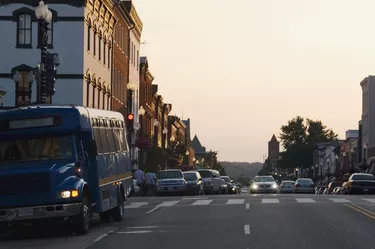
<point x="146" y="93"/>
<point x="120" y="58"/>
<point x="161" y="111"/>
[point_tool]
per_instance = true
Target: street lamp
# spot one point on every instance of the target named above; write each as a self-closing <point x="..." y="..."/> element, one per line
<point x="141" y="112"/>
<point x="44" y="16"/>
<point x="165" y="132"/>
<point x="131" y="86"/>
<point x="156" y="123"/>
<point x="352" y="161"/>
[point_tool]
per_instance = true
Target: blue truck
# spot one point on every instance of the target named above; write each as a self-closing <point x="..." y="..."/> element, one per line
<point x="64" y="163"/>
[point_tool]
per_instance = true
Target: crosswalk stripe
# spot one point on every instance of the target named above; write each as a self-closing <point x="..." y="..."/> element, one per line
<point x="136" y="204"/>
<point x="168" y="203"/>
<point x="371" y="200"/>
<point x="305" y="200"/>
<point x="235" y="201"/>
<point x="201" y="202"/>
<point x="339" y="200"/>
<point x="273" y="200"/>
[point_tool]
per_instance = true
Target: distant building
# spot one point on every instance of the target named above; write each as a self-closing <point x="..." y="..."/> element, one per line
<point x="273" y="151"/>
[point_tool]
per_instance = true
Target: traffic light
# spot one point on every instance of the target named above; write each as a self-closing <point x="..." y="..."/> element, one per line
<point x="130" y="122"/>
<point x="51" y="73"/>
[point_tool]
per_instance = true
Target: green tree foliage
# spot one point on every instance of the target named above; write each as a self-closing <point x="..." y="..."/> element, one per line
<point x="299" y="138"/>
<point x="212" y="162"/>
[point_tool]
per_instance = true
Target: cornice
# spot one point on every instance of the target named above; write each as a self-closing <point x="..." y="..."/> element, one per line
<point x="103" y="13"/>
<point x="138" y="25"/>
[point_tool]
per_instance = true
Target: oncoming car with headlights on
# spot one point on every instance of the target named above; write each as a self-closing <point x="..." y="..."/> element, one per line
<point x="263" y="184"/>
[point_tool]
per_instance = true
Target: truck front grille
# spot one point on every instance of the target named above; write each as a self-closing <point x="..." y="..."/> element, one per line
<point x="27" y="183"/>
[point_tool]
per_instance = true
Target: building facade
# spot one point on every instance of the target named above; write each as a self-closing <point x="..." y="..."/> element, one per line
<point x="273" y="152"/>
<point x="368" y="117"/>
<point x="121" y="58"/>
<point x="80" y="32"/>
<point x="146" y="93"/>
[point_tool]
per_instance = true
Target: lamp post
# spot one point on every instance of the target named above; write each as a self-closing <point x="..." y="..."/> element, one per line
<point x="165" y="133"/>
<point x="321" y="173"/>
<point x="337" y="170"/>
<point x="156" y="124"/>
<point x="130" y="87"/>
<point x="352" y="161"/>
<point x="141" y="112"/>
<point x="44" y="16"/>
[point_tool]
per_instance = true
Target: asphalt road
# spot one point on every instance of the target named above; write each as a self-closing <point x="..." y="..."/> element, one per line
<point x="222" y="222"/>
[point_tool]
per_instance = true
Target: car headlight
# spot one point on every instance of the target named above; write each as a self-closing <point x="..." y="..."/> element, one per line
<point x="274" y="185"/>
<point x="69" y="194"/>
<point x="254" y="186"/>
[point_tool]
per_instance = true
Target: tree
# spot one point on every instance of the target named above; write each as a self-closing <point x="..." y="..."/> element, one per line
<point x="299" y="139"/>
<point x="211" y="160"/>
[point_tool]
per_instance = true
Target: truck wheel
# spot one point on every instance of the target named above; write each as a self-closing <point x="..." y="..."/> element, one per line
<point x="118" y="212"/>
<point x="105" y="217"/>
<point x="82" y="221"/>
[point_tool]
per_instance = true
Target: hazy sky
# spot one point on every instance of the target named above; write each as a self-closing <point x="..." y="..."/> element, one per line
<point x="240" y="69"/>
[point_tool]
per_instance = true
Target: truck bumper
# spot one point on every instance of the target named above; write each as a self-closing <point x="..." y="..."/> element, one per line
<point x="39" y="212"/>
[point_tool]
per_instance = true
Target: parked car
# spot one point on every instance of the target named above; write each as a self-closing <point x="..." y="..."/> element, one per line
<point x="194" y="182"/>
<point x="230" y="184"/>
<point x="171" y="181"/>
<point x="219" y="186"/>
<point x="207" y="176"/>
<point x="304" y="185"/>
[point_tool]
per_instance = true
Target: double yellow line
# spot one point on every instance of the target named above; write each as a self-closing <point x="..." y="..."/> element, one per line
<point x="362" y="210"/>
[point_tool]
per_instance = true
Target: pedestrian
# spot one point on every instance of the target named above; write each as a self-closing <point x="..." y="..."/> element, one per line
<point x="140" y="177"/>
<point x="150" y="183"/>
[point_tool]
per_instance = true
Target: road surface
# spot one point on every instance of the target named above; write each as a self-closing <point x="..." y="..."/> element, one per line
<point x="222" y="222"/>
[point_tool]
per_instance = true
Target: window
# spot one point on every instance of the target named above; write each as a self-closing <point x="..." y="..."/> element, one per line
<point x="109" y="57"/>
<point x="88" y="92"/>
<point x="137" y="60"/>
<point x="100" y="47"/>
<point x="103" y="137"/>
<point x="97" y="139"/>
<point x="103" y="100"/>
<point x="133" y="55"/>
<point x="98" y="99"/>
<point x="104" y="53"/>
<point x="94" y="47"/>
<point x="24" y="30"/>
<point x="131" y="52"/>
<point x="88" y="37"/>
<point x="111" y="140"/>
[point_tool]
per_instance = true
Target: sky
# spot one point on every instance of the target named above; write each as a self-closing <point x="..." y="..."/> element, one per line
<point x="241" y="69"/>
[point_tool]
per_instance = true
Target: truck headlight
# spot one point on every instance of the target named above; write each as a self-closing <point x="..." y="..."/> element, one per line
<point x="69" y="193"/>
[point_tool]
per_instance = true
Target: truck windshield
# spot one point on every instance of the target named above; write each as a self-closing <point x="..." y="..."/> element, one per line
<point x="44" y="148"/>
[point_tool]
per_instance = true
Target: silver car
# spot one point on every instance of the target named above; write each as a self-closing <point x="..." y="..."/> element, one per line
<point x="286" y="187"/>
<point x="304" y="185"/>
<point x="263" y="184"/>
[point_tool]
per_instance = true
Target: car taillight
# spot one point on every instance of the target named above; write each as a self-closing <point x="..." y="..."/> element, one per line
<point x="297" y="185"/>
<point x="281" y="186"/>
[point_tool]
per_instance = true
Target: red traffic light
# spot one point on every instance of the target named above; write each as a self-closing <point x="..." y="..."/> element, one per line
<point x="130" y="116"/>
